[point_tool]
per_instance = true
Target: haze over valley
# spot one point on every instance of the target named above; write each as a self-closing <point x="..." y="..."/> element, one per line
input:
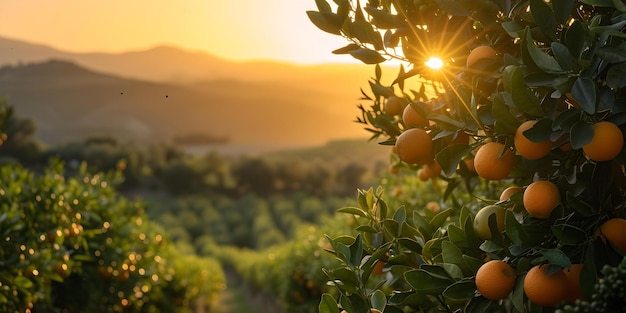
<point x="164" y="92"/>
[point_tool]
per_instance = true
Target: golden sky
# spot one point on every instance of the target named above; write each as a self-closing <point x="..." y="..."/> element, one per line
<point x="233" y="29"/>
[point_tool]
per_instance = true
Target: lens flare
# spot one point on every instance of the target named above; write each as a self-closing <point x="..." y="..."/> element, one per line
<point x="434" y="63"/>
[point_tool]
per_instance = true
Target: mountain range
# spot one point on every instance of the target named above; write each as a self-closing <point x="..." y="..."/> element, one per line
<point x="164" y="92"/>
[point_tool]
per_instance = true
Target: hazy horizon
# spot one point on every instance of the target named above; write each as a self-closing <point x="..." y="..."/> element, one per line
<point x="275" y="31"/>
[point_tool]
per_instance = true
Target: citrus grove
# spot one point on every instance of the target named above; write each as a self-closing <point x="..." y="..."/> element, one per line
<point x="520" y="134"/>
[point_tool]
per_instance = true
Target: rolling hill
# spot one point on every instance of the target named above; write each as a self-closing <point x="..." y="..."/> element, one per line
<point x="69" y="102"/>
<point x="163" y="92"/>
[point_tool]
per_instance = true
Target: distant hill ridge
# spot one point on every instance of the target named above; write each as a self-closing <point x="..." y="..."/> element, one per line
<point x="69" y="102"/>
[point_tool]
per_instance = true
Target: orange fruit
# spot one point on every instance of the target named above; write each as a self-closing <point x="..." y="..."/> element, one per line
<point x="480" y="53"/>
<point x="527" y="148"/>
<point x="414" y="146"/>
<point x="432" y="169"/>
<point x="606" y="144"/>
<point x="543" y="289"/>
<point x="394" y="169"/>
<point x="411" y="118"/>
<point x="540" y="198"/>
<point x="495" y="279"/>
<point x="573" y="277"/>
<point x="481" y="221"/>
<point x="433" y="206"/>
<point x="378" y="268"/>
<point x="469" y="163"/>
<point x="614" y="230"/>
<point x="489" y="164"/>
<point x="423" y="175"/>
<point x="508" y="192"/>
<point x="394" y="105"/>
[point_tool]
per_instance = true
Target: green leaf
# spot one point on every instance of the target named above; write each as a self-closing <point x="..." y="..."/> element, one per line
<point x="569" y="234"/>
<point x="505" y="122"/>
<point x="512" y="28"/>
<point x="517" y="296"/>
<point x="556" y="257"/>
<point x="523" y="97"/>
<point x="612" y="54"/>
<point x="479" y="305"/>
<point x="346" y="49"/>
<point x="544" y="17"/>
<point x="325" y="21"/>
<point x="327" y="304"/>
<point x="563" y="56"/>
<point x="446" y="122"/>
<point x="440" y="218"/>
<point x="562" y="10"/>
<point x="540" y="131"/>
<point x="323" y="6"/>
<point x="453" y="255"/>
<point x="514" y="230"/>
<point x="544" y="61"/>
<point x="382" y="19"/>
<point x="423" y="282"/>
<point x="616" y="76"/>
<point x="378" y="300"/>
<point x="450" y="156"/>
<point x="23" y="282"/>
<point x="457" y="237"/>
<point x="367" y="56"/>
<point x="584" y="92"/>
<point x="353" y="211"/>
<point x="356" y="251"/>
<point x="581" y="207"/>
<point x="400" y="215"/>
<point x="575" y="37"/>
<point x="588" y="274"/>
<point x="581" y="134"/>
<point x="460" y="290"/>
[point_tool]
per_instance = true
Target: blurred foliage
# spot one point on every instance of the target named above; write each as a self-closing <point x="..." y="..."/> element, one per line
<point x="73" y="244"/>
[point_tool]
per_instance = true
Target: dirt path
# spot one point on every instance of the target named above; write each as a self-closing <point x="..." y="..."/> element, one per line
<point x="239" y="297"/>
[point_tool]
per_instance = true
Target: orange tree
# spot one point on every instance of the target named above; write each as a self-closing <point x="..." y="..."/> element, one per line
<point x="73" y="244"/>
<point x="509" y="93"/>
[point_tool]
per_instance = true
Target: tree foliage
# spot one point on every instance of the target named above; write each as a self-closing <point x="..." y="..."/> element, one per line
<point x="557" y="63"/>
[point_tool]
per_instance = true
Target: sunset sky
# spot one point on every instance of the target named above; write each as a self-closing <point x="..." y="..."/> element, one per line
<point x="236" y="30"/>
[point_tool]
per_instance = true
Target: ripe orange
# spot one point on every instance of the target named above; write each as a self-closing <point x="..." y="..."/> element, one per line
<point x="423" y="175"/>
<point x="433" y="206"/>
<point x="508" y="192"/>
<point x="411" y="118"/>
<point x="432" y="169"/>
<point x="378" y="268"/>
<point x="543" y="289"/>
<point x="540" y="198"/>
<point x="573" y="277"/>
<point x="606" y="144"/>
<point x="414" y="146"/>
<point x="469" y="163"/>
<point x="394" y="105"/>
<point x="480" y="53"/>
<point x="481" y="221"/>
<point x="495" y="279"/>
<point x="490" y="165"/>
<point x="614" y="230"/>
<point x="527" y="148"/>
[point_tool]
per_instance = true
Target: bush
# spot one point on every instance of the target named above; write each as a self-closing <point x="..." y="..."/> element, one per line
<point x="72" y="244"/>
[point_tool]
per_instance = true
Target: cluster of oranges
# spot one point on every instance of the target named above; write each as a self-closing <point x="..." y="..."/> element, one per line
<point x="495" y="159"/>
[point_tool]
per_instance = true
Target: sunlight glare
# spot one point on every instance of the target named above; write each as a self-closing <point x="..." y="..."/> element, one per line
<point x="434" y="63"/>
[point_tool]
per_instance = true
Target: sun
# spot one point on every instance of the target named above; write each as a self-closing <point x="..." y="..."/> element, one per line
<point x="434" y="63"/>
